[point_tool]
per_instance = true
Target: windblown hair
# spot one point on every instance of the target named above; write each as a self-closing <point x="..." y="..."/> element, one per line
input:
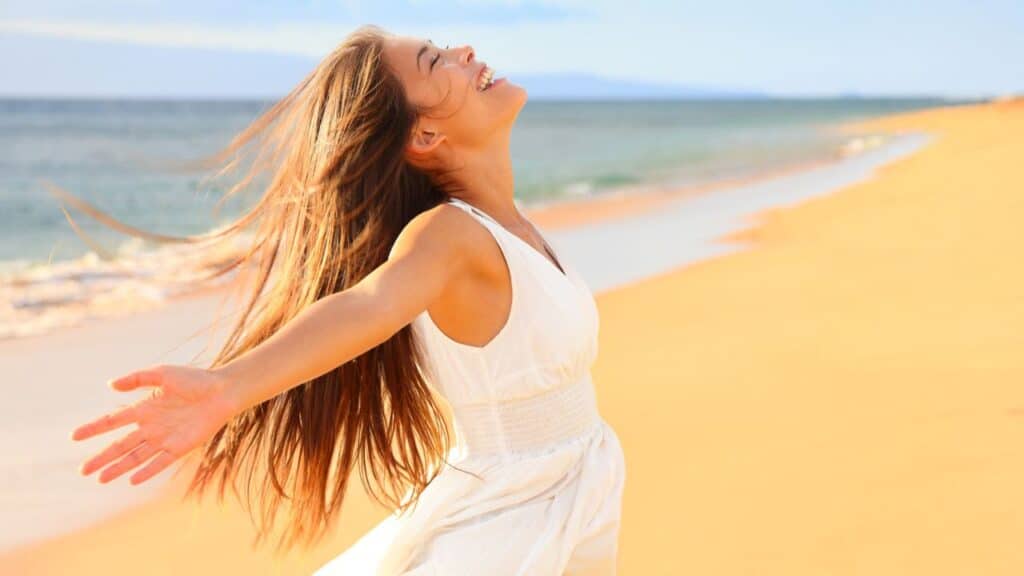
<point x="340" y="193"/>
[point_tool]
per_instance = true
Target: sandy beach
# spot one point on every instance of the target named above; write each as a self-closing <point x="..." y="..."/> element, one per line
<point x="840" y="397"/>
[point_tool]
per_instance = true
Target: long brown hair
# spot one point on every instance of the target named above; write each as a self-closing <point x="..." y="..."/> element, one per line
<point x="340" y="193"/>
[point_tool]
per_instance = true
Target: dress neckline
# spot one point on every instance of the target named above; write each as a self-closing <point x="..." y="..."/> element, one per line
<point x="555" y="266"/>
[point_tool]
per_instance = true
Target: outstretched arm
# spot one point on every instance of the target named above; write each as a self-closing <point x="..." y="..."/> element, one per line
<point x="189" y="404"/>
<point x="344" y="325"/>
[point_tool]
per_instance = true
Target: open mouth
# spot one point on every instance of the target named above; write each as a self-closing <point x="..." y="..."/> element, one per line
<point x="486" y="79"/>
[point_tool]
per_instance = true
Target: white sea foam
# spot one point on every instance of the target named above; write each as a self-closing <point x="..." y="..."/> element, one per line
<point x="38" y="297"/>
<point x="861" y="144"/>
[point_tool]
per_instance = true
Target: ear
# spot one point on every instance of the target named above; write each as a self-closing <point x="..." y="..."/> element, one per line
<point x="425" y="141"/>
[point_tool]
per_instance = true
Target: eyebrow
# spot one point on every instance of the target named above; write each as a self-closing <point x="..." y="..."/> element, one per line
<point x="420" y="53"/>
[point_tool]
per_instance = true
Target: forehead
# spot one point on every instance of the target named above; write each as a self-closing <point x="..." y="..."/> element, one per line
<point x="402" y="52"/>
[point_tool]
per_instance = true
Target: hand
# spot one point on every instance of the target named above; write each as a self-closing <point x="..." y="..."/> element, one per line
<point x="186" y="407"/>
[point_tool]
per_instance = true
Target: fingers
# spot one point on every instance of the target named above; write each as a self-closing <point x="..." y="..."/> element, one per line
<point x="162" y="460"/>
<point x="112" y="452"/>
<point x="148" y="377"/>
<point x="144" y="452"/>
<point x="105" y="423"/>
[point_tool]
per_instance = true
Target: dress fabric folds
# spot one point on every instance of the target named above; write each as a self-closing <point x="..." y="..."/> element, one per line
<point x="534" y="483"/>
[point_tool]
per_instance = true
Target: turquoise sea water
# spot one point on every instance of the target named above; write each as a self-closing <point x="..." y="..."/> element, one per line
<point x="100" y="150"/>
<point x="109" y="152"/>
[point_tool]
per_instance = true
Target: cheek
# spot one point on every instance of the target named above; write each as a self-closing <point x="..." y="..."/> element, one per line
<point x="470" y="116"/>
<point x="478" y="114"/>
<point x="453" y="95"/>
<point x="471" y="109"/>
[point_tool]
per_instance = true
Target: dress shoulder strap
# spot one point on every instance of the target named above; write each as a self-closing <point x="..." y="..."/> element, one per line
<point x="488" y="222"/>
<point x="555" y="262"/>
<point x="470" y="208"/>
<point x="496" y="230"/>
<point x="512" y="263"/>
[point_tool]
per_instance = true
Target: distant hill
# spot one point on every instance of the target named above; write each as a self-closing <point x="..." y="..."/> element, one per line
<point x="590" y="87"/>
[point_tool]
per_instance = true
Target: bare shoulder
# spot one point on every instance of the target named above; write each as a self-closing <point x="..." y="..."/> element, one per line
<point x="445" y="232"/>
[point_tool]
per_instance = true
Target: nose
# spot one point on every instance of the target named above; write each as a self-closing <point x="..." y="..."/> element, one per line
<point x="466" y="54"/>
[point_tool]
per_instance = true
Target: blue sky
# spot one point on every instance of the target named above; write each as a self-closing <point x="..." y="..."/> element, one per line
<point x="788" y="47"/>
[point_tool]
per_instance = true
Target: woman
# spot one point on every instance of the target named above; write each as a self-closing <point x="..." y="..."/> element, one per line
<point x="392" y="263"/>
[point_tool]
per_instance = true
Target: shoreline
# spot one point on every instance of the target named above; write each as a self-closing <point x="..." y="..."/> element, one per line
<point x="551" y="215"/>
<point x="174" y="344"/>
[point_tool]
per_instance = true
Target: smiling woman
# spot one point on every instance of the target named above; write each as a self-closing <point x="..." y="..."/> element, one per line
<point x="392" y="265"/>
<point x="449" y="81"/>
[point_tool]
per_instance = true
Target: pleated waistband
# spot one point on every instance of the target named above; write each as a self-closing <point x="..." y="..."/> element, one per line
<point x="528" y="424"/>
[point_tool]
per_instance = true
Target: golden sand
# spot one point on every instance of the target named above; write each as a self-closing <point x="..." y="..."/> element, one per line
<point x="848" y="396"/>
<point x="844" y="398"/>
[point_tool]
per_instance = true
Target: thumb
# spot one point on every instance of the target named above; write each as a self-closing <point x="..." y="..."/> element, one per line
<point x="135" y="380"/>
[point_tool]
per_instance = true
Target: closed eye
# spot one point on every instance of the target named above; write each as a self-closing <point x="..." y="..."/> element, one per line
<point x="436" y="58"/>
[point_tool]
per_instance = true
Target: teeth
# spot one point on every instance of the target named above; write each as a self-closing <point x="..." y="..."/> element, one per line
<point x="486" y="79"/>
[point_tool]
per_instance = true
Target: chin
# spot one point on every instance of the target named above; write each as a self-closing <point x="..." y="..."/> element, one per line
<point x="523" y="95"/>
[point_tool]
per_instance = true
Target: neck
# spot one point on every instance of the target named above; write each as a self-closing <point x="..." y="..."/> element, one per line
<point x="487" y="180"/>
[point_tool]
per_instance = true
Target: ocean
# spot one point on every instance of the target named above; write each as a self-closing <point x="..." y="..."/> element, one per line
<point x="114" y="153"/>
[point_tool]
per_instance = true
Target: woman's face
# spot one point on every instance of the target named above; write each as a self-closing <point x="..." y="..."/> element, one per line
<point x="469" y="118"/>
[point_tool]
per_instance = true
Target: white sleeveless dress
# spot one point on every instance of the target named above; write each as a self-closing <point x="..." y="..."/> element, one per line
<point x="536" y="477"/>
